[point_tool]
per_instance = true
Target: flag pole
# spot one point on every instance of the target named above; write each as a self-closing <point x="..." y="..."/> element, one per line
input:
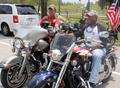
<point x="116" y="2"/>
<point x="118" y="8"/>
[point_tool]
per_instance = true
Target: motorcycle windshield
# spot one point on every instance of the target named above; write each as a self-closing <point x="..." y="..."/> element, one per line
<point x="31" y="34"/>
<point x="62" y="42"/>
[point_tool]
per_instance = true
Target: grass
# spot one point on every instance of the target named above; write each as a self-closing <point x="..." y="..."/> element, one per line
<point x="118" y="41"/>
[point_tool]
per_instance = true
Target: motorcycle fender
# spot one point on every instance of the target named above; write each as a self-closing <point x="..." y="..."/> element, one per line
<point x="41" y="78"/>
<point x="12" y="61"/>
<point x="113" y="59"/>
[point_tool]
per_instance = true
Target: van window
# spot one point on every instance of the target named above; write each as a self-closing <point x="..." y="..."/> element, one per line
<point x="26" y="10"/>
<point x="4" y="9"/>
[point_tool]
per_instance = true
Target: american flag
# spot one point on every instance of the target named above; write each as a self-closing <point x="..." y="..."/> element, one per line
<point x="113" y="16"/>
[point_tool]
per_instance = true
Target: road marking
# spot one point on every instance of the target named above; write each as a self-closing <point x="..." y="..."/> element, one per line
<point x="116" y="73"/>
<point x="5" y="43"/>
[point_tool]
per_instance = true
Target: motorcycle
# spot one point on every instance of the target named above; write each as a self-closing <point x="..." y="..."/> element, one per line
<point x="28" y="46"/>
<point x="70" y="65"/>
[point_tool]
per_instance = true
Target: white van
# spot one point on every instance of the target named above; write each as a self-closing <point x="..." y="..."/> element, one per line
<point x="13" y="16"/>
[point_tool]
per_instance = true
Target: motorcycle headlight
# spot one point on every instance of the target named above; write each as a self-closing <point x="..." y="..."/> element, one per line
<point x="18" y="43"/>
<point x="74" y="62"/>
<point x="56" y="55"/>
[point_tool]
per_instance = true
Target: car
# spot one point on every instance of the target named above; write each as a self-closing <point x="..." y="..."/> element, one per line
<point x="13" y="16"/>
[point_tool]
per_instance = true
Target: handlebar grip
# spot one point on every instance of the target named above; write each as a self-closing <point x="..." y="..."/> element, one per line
<point x="80" y="41"/>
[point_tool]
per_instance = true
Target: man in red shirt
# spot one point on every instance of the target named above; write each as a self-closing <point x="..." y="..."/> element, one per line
<point x="52" y="19"/>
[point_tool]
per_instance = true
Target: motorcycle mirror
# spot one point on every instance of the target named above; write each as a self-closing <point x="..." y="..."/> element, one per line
<point x="104" y="34"/>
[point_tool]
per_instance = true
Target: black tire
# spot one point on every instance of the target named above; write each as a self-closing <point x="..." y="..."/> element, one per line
<point x="5" y="29"/>
<point x="9" y="77"/>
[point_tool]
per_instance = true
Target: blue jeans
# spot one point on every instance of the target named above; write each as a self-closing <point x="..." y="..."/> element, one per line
<point x="96" y="63"/>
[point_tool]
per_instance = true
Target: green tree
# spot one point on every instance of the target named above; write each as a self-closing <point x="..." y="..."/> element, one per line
<point x="43" y="7"/>
<point x="52" y="2"/>
<point x="104" y="3"/>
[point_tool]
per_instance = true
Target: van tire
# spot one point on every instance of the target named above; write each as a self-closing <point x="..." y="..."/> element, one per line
<point x="5" y="29"/>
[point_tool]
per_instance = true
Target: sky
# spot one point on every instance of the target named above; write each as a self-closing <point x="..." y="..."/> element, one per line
<point x="82" y="1"/>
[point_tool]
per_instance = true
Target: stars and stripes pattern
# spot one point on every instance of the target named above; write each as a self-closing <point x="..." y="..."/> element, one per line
<point x="113" y="16"/>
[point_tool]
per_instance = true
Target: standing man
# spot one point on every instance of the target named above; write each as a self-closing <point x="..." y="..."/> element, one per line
<point x="51" y="18"/>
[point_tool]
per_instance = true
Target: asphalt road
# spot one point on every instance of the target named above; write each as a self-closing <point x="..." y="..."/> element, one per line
<point x="5" y="51"/>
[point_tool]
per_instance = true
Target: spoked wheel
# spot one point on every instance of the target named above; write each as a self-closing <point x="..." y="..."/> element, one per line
<point x="10" y="78"/>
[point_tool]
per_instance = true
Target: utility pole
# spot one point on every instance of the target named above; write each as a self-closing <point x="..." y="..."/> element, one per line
<point x="39" y="6"/>
<point x="59" y="2"/>
<point x="43" y="8"/>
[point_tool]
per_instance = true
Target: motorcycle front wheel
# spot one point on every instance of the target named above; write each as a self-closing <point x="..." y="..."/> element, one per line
<point x="10" y="78"/>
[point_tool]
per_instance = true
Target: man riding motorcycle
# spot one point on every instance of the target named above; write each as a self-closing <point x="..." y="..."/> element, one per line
<point x="91" y="32"/>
